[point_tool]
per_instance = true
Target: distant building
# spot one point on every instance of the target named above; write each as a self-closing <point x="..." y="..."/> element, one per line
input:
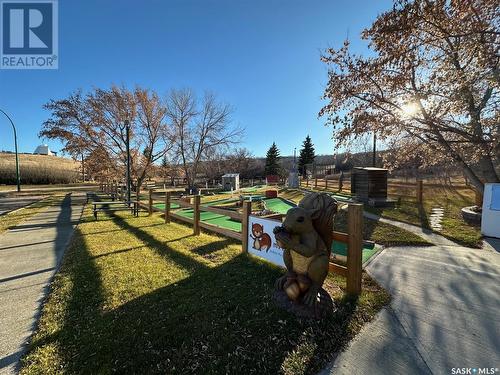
<point x="44" y="150"/>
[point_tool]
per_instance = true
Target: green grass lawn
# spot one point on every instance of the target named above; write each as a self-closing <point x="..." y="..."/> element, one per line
<point x="135" y="295"/>
<point x="14" y="218"/>
<point x="451" y="199"/>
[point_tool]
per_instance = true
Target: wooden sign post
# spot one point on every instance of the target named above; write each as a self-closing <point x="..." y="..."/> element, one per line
<point x="196" y="215"/>
<point x="247" y="210"/>
<point x="167" y="207"/>
<point x="355" y="247"/>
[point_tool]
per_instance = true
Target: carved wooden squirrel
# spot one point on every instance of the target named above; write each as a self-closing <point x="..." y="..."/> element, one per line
<point x="306" y="239"/>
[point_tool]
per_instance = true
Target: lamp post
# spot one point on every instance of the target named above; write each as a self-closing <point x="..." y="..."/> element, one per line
<point x="18" y="178"/>
<point x="127" y="141"/>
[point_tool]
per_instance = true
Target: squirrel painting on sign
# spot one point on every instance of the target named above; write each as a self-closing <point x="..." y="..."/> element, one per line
<point x="261" y="240"/>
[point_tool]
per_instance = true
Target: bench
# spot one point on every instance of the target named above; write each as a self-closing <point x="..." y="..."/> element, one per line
<point x="92" y="195"/>
<point x="114" y="206"/>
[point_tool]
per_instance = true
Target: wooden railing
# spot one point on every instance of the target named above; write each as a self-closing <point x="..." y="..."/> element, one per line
<point x="354" y="238"/>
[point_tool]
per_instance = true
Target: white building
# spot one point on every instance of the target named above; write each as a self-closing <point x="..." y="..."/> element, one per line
<point x="231" y="181"/>
<point x="44" y="150"/>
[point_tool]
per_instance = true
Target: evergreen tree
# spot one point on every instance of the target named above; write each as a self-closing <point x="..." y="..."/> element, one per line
<point x="272" y="160"/>
<point x="306" y="155"/>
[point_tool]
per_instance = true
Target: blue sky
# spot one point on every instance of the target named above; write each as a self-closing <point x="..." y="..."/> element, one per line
<point x="262" y="57"/>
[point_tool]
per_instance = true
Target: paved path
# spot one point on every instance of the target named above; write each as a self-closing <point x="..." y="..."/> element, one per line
<point x="13" y="203"/>
<point x="444" y="313"/>
<point x="426" y="234"/>
<point x="29" y="256"/>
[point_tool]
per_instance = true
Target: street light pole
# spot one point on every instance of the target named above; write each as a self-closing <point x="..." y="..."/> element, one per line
<point x="18" y="178"/>
<point x="127" y="141"/>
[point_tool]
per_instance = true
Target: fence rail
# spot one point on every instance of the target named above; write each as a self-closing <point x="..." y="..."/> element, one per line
<point x="352" y="271"/>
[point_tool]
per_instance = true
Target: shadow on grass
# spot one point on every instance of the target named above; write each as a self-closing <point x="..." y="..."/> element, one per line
<point x="422" y="215"/>
<point x="217" y="320"/>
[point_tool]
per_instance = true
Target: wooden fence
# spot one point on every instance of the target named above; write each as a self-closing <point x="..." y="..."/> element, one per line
<point x="352" y="271"/>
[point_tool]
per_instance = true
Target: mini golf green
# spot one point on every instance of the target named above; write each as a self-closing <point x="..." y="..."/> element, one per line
<point x="278" y="205"/>
<point x="340" y="248"/>
<point x="274" y="204"/>
<point x="253" y="188"/>
<point x="213" y="219"/>
<point x="161" y="206"/>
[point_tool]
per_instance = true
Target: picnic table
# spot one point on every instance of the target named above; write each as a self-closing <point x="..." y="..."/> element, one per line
<point x="98" y="206"/>
<point x="92" y="195"/>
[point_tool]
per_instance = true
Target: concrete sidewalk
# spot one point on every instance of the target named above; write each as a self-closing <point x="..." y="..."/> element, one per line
<point x="29" y="256"/>
<point x="14" y="203"/>
<point x="444" y="314"/>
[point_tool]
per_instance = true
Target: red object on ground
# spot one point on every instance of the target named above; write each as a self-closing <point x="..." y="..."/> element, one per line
<point x="271" y="193"/>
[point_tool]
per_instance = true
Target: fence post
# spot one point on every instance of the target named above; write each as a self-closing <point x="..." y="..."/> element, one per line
<point x="307" y="182"/>
<point x="326" y="183"/>
<point x="354" y="247"/>
<point x="316" y="182"/>
<point x="247" y="210"/>
<point x="150" y="203"/>
<point x="420" y="191"/>
<point x="167" y="207"/>
<point x="196" y="215"/>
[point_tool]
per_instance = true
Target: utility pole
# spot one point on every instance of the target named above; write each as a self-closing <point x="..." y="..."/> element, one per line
<point x="127" y="141"/>
<point x="374" y="156"/>
<point x="18" y="177"/>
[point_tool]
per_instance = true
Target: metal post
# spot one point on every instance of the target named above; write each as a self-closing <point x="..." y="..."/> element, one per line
<point x="18" y="177"/>
<point x="127" y="141"/>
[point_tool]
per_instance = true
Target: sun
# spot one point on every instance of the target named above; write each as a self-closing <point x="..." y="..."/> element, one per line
<point x="409" y="109"/>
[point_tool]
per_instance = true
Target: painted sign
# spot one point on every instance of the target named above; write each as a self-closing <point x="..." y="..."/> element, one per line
<point x="261" y="241"/>
<point x="490" y="221"/>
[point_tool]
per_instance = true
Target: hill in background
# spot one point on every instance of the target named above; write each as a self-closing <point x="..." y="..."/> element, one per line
<point x="38" y="169"/>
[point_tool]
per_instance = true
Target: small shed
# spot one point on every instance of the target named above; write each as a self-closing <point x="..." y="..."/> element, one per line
<point x="369" y="184"/>
<point x="231" y="181"/>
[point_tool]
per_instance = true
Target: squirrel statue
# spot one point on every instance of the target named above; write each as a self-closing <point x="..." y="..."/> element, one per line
<point x="306" y="239"/>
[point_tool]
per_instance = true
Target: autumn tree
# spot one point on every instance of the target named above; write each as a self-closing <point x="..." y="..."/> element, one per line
<point x="200" y="129"/>
<point x="430" y="85"/>
<point x="272" y="160"/>
<point x="94" y="125"/>
<point x="306" y="155"/>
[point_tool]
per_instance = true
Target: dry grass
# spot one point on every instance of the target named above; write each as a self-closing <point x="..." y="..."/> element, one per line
<point x="38" y="169"/>
<point x="138" y="296"/>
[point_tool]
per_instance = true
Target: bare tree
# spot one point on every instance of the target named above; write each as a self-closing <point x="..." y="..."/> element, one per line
<point x="94" y="124"/>
<point x="200" y="128"/>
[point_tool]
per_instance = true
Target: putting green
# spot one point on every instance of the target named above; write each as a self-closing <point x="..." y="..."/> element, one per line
<point x="278" y="205"/>
<point x="213" y="219"/>
<point x="253" y="188"/>
<point x="161" y="206"/>
<point x="340" y="248"/>
<point x="275" y="204"/>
